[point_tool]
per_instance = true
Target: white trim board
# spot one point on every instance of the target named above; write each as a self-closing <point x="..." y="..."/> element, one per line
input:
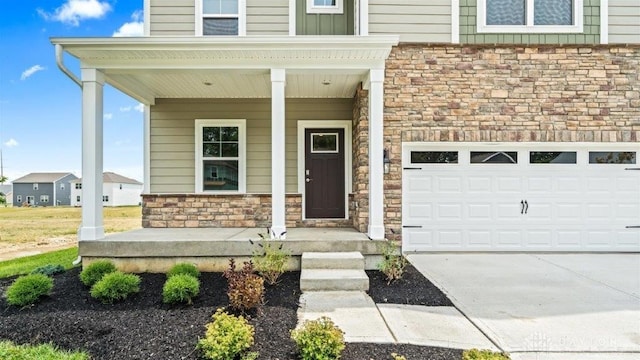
<point x="348" y="151"/>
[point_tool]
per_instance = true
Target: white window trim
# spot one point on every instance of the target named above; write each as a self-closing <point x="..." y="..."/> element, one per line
<point x="242" y="18"/>
<point x="44" y="198"/>
<point x="242" y="153"/>
<point x="35" y="186"/>
<point x="577" y="27"/>
<point x="338" y="8"/>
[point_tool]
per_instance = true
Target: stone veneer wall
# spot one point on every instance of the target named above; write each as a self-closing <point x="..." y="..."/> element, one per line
<point x="205" y="210"/>
<point x="508" y="93"/>
<point x="359" y="203"/>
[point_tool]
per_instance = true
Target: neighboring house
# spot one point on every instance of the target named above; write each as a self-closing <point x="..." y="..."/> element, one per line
<point x="117" y="190"/>
<point x="43" y="189"/>
<point x="504" y="125"/>
<point x="6" y="192"/>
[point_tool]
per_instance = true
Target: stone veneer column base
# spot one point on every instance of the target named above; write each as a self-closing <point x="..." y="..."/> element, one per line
<point x="225" y="211"/>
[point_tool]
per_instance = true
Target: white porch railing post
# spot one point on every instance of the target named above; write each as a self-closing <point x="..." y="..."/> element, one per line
<point x="376" y="152"/>
<point x="278" y="219"/>
<point x="92" y="148"/>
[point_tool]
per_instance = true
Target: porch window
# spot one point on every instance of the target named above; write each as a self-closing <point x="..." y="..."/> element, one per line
<point x="325" y="6"/>
<point x="530" y="16"/>
<point x="220" y="156"/>
<point x="220" y="17"/>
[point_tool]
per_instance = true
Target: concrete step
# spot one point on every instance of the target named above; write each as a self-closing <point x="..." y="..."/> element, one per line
<point x="333" y="280"/>
<point x="332" y="260"/>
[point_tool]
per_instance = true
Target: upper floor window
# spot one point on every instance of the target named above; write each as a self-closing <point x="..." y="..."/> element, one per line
<point x="221" y="17"/>
<point x="325" y="6"/>
<point x="35" y="186"/>
<point x="61" y="186"/>
<point x="530" y="16"/>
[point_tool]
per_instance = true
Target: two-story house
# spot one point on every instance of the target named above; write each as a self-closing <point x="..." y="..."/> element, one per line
<point x="467" y="125"/>
<point x="117" y="190"/>
<point x="43" y="189"/>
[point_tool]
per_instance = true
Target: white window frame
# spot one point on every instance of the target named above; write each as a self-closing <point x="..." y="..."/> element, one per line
<point x="242" y="153"/>
<point x="78" y="186"/>
<point x="44" y="198"/>
<point x="577" y="27"/>
<point x="241" y="15"/>
<point x="35" y="186"/>
<point x="338" y="8"/>
<point x="105" y="198"/>
<point x="19" y="198"/>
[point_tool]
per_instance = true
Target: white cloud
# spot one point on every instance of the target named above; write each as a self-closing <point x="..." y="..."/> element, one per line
<point x="108" y="116"/>
<point x="30" y="71"/>
<point x="139" y="107"/>
<point x="11" y="143"/>
<point x="133" y="28"/>
<point x="125" y="108"/>
<point x="74" y="11"/>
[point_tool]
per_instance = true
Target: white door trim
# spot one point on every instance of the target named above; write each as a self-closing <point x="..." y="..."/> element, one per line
<point x="325" y="124"/>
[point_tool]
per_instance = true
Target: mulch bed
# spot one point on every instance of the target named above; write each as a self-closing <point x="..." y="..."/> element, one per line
<point x="142" y="327"/>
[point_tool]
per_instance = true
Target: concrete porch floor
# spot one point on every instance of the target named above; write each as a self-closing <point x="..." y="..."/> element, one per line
<point x="157" y="249"/>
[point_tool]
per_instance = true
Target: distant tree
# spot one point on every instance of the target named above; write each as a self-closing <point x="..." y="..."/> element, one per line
<point x="3" y="179"/>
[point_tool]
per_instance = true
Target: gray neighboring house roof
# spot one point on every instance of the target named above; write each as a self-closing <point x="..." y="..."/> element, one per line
<point x="41" y="178"/>
<point x="111" y="177"/>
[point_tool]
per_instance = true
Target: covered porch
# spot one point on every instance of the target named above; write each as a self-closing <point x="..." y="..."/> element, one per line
<point x="158" y="70"/>
<point x="156" y="250"/>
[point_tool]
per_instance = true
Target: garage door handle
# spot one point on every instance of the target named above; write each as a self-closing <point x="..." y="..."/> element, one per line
<point x="632" y="168"/>
<point x="412" y="226"/>
<point x="521" y="207"/>
<point x="526" y="207"/>
<point x="633" y="227"/>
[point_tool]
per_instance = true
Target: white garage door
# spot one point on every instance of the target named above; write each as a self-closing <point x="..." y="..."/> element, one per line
<point x="517" y="198"/>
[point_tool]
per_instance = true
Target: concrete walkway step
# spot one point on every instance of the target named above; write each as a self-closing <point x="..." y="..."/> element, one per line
<point x="333" y="280"/>
<point x="332" y="260"/>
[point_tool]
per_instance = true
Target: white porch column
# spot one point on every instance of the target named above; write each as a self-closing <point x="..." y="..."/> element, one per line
<point x="376" y="153"/>
<point x="278" y="224"/>
<point x="92" y="147"/>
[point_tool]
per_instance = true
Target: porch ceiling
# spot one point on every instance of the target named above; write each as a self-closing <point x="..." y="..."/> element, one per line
<point x="239" y="67"/>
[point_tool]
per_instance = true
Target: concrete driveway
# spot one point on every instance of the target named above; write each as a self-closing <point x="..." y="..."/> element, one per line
<point x="546" y="306"/>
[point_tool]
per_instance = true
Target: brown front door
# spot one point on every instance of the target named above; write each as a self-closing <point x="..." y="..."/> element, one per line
<point x="324" y="173"/>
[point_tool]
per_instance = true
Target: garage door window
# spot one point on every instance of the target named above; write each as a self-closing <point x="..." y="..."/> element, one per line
<point x="434" y="157"/>
<point x="548" y="157"/>
<point x="612" y="157"/>
<point x="494" y="157"/>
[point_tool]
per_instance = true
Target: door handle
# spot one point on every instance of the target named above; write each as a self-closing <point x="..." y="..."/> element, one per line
<point x="526" y="206"/>
<point x="521" y="207"/>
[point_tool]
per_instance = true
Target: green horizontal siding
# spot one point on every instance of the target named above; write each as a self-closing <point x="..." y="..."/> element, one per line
<point x="469" y="34"/>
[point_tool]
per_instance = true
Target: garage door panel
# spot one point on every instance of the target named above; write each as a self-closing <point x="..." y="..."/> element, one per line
<point x="479" y="239"/>
<point x="509" y="185"/>
<point x="479" y="185"/>
<point x="479" y="207"/>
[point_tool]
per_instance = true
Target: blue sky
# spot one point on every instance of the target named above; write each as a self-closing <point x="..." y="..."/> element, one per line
<point x="40" y="107"/>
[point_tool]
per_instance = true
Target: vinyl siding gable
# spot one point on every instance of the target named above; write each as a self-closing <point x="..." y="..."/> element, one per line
<point x="413" y="20"/>
<point x="624" y="22"/>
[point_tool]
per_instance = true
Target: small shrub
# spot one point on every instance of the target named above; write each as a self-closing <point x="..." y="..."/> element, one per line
<point x="246" y="289"/>
<point x="319" y="339"/>
<point x="184" y="269"/>
<point x="95" y="271"/>
<point x="393" y="262"/>
<point x="26" y="290"/>
<point x="180" y="288"/>
<point x="115" y="286"/>
<point x="49" y="269"/>
<point x="10" y="351"/>
<point x="270" y="259"/>
<point x="475" y="354"/>
<point x="227" y="336"/>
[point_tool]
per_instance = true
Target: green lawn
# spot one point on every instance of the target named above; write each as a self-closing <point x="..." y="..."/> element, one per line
<point x="9" y="351"/>
<point x="25" y="265"/>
